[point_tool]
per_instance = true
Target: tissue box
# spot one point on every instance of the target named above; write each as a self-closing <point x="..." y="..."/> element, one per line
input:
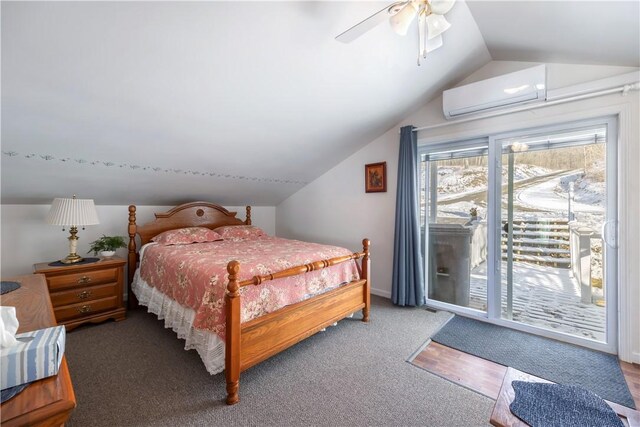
<point x="37" y="355"/>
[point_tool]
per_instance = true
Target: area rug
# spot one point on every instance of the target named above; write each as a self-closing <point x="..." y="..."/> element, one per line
<point x="543" y="357"/>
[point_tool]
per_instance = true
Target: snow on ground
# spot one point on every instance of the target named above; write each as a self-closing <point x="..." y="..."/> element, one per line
<point x="524" y="171"/>
<point x="545" y="197"/>
<point x="461" y="209"/>
<point x="461" y="180"/>
<point x="544" y="297"/>
<point x="586" y="190"/>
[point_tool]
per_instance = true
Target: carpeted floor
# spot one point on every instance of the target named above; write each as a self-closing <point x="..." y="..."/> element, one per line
<point x="135" y="372"/>
<point x="543" y="357"/>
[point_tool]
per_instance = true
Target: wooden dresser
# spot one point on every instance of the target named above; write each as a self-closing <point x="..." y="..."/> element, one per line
<point x="86" y="292"/>
<point x="50" y="401"/>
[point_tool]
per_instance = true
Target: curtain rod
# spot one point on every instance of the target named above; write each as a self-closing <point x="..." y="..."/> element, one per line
<point x="624" y="89"/>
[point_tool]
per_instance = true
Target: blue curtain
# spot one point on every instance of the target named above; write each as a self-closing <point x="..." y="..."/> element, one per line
<point x="408" y="274"/>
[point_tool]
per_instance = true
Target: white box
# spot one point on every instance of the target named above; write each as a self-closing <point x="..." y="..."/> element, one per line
<point x="37" y="355"/>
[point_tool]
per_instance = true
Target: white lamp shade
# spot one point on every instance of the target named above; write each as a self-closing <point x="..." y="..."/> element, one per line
<point x="440" y="7"/>
<point x="72" y="212"/>
<point x="433" y="44"/>
<point x="401" y="21"/>
<point x="436" y="25"/>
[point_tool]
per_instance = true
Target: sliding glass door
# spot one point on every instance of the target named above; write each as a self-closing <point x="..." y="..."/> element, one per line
<point x="519" y="228"/>
<point x="557" y="199"/>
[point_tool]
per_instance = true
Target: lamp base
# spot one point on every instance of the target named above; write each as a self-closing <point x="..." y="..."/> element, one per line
<point x="72" y="258"/>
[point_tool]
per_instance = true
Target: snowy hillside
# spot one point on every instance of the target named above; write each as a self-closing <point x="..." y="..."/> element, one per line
<point x="461" y="179"/>
<point x="589" y="188"/>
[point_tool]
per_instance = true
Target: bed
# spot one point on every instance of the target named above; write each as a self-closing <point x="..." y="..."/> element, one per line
<point x="247" y="339"/>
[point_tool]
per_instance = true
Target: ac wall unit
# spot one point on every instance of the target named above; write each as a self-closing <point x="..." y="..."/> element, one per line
<point x="498" y="92"/>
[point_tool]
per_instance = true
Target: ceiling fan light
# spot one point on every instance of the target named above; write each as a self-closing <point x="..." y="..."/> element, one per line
<point x="434" y="43"/>
<point x="440" y="7"/>
<point x="436" y="25"/>
<point x="401" y="21"/>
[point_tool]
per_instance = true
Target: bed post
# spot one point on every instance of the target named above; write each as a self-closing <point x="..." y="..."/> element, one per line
<point x="132" y="301"/>
<point x="232" y="339"/>
<point x="248" y="220"/>
<point x="366" y="266"/>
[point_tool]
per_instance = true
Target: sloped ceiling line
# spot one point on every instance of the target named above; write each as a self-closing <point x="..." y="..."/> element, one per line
<point x="152" y="169"/>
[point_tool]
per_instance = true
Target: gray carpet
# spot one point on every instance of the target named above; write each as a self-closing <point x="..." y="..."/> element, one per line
<point x="135" y="372"/>
<point x="546" y="358"/>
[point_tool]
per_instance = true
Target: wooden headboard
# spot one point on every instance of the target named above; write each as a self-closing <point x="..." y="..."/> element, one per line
<point x="195" y="214"/>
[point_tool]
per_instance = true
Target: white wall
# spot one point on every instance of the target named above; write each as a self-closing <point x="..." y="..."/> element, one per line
<point x="27" y="239"/>
<point x="335" y="209"/>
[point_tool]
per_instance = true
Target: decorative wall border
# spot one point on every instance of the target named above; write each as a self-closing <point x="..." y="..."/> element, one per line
<point x="152" y="169"/>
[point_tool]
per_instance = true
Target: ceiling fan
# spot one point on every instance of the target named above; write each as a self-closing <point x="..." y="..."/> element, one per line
<point x="431" y="22"/>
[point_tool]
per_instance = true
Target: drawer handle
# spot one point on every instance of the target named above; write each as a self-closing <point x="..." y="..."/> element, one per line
<point x="84" y="309"/>
<point x="84" y="294"/>
<point x="84" y="279"/>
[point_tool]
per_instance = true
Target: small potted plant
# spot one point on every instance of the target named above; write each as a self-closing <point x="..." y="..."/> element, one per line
<point x="107" y="245"/>
<point x="474" y="213"/>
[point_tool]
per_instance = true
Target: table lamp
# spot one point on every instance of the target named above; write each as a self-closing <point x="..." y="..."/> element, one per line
<point x="72" y="213"/>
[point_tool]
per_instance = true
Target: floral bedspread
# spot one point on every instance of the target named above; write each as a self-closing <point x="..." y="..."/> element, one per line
<point x="195" y="275"/>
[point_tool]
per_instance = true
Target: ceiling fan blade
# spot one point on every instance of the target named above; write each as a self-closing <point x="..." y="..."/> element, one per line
<point x="362" y="27"/>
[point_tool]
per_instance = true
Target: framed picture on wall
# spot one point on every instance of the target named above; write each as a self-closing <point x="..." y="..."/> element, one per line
<point x="375" y="177"/>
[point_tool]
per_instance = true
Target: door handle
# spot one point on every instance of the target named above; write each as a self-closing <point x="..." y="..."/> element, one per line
<point x="613" y="242"/>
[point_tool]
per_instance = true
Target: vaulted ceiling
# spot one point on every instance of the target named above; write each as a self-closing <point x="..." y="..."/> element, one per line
<point x="568" y="31"/>
<point x="234" y="102"/>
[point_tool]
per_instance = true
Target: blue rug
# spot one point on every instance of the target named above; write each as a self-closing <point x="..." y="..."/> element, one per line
<point x="543" y="357"/>
<point x="544" y="404"/>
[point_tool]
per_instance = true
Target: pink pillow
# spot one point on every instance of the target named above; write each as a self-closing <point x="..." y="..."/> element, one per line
<point x="185" y="236"/>
<point x="240" y="232"/>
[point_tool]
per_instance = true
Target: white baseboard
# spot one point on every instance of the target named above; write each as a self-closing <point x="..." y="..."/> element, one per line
<point x="380" y="293"/>
<point x="635" y="357"/>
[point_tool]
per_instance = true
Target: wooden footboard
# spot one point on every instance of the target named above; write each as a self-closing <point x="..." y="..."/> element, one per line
<point x="254" y="341"/>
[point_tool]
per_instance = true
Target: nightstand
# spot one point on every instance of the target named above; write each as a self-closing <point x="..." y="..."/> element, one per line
<point x="86" y="292"/>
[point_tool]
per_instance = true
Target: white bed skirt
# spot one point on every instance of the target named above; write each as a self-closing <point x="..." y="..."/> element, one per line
<point x="208" y="344"/>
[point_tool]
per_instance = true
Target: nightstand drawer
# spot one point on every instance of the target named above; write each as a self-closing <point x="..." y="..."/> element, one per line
<point x="88" y="308"/>
<point x="89" y="293"/>
<point x="83" y="279"/>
